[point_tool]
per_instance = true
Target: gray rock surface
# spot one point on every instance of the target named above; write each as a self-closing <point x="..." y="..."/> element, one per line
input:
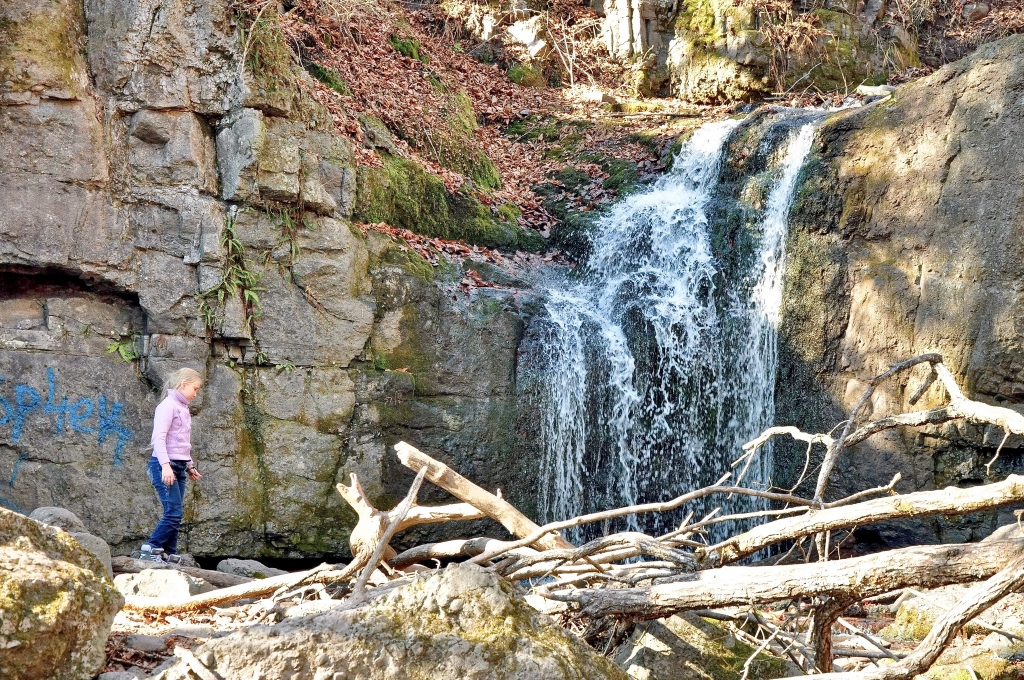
<point x="162" y="583"/>
<point x="57" y="606"/>
<point x="97" y="546"/>
<point x="687" y="647"/>
<point x="60" y="518"/>
<point x="146" y="643"/>
<point x="250" y="568"/>
<point x="905" y="238"/>
<point x="134" y="674"/>
<point x="133" y="149"/>
<point x="463" y="623"/>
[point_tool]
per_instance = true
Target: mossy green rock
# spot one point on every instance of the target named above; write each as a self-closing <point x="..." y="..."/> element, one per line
<point x="403" y="194"/>
<point x="463" y="623"/>
<point x="687" y="647"/>
<point x="39" y="47"/>
<point x="56" y="603"/>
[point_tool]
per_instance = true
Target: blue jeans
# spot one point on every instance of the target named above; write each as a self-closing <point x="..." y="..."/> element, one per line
<point x="165" y="535"/>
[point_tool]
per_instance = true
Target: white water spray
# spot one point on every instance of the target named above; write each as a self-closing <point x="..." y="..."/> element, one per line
<point x="651" y="382"/>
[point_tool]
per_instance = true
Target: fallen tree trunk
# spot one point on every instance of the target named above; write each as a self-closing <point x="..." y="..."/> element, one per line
<point x="948" y="501"/>
<point x="518" y="524"/>
<point x="860" y="577"/>
<point x="973" y="603"/>
<point x="155" y="605"/>
<point x="126" y="565"/>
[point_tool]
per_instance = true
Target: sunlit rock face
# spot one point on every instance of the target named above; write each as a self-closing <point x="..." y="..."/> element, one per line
<point x="143" y="168"/>
<point x="906" y="238"/>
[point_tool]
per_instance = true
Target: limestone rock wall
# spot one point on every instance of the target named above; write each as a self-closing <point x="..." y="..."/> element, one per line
<point x="161" y="207"/>
<point x="714" y="51"/>
<point x="906" y="237"/>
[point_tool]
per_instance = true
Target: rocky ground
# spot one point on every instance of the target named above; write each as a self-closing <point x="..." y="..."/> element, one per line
<point x="681" y="647"/>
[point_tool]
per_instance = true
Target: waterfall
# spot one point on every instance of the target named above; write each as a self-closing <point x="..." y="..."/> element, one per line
<point x="651" y="381"/>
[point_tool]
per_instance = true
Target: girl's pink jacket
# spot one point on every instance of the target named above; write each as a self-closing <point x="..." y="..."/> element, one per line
<point x="172" y="429"/>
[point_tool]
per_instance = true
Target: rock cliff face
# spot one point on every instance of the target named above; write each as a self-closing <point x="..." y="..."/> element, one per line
<point x="712" y="51"/>
<point x="906" y="238"/>
<point x="164" y="207"/>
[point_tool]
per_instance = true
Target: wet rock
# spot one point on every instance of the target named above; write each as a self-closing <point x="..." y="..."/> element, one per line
<point x="162" y="583"/>
<point x="463" y="623"/>
<point x="880" y="270"/>
<point x="56" y="603"/>
<point x="250" y="568"/>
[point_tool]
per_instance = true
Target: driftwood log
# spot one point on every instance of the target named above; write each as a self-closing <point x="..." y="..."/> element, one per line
<point x="858" y="578"/>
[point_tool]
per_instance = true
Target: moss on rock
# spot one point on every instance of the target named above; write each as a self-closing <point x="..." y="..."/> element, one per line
<point x="42" y="48"/>
<point x="56" y="603"/>
<point x="690" y="648"/>
<point x="403" y="194"/>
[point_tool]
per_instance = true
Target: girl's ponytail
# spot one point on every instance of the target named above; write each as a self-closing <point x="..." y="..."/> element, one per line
<point x="181" y="377"/>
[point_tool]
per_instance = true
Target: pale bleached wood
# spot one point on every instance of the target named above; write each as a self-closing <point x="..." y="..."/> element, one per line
<point x="948" y="501"/>
<point x="921" y="566"/>
<point x="394" y="521"/>
<point x="496" y="508"/>
<point x="974" y="602"/>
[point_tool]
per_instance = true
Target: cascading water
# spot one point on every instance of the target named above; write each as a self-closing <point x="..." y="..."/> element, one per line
<point x="651" y="381"/>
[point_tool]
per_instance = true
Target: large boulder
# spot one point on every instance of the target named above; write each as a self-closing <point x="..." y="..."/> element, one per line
<point x="97" y="546"/>
<point x="58" y="517"/>
<point x="56" y="603"/>
<point x="463" y="623"/>
<point x="905" y="238"/>
<point x="163" y="583"/>
<point x="250" y="568"/>
<point x="69" y="522"/>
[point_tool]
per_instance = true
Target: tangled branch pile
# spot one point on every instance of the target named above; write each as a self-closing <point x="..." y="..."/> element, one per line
<point x="619" y="579"/>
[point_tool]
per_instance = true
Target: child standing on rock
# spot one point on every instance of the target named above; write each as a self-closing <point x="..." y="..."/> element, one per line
<point x="172" y="463"/>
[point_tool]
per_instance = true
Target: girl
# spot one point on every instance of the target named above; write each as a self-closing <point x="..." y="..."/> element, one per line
<point x="171" y="463"/>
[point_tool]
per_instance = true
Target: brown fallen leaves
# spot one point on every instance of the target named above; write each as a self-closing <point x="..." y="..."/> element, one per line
<point x="434" y="249"/>
<point x="421" y="96"/>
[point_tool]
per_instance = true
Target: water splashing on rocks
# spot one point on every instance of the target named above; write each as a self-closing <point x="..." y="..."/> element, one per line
<point x="652" y="378"/>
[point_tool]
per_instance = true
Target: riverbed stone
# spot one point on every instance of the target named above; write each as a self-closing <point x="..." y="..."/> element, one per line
<point x="97" y="546"/>
<point x="250" y="568"/>
<point x="161" y="583"/>
<point x="58" y="517"/>
<point x="56" y="603"/>
<point x="461" y="623"/>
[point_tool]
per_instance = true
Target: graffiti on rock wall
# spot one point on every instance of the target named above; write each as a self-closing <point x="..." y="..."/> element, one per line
<point x="98" y="416"/>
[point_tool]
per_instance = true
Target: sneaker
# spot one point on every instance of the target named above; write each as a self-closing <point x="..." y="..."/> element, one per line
<point x="171" y="558"/>
<point x="148" y="554"/>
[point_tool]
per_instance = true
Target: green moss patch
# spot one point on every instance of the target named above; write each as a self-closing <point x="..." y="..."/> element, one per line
<point x="409" y="47"/>
<point x="403" y="194"/>
<point x="328" y="78"/>
<point x="44" y="48"/>
<point x="526" y="75"/>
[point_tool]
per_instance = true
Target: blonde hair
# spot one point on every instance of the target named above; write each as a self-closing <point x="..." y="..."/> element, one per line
<point x="181" y="377"/>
